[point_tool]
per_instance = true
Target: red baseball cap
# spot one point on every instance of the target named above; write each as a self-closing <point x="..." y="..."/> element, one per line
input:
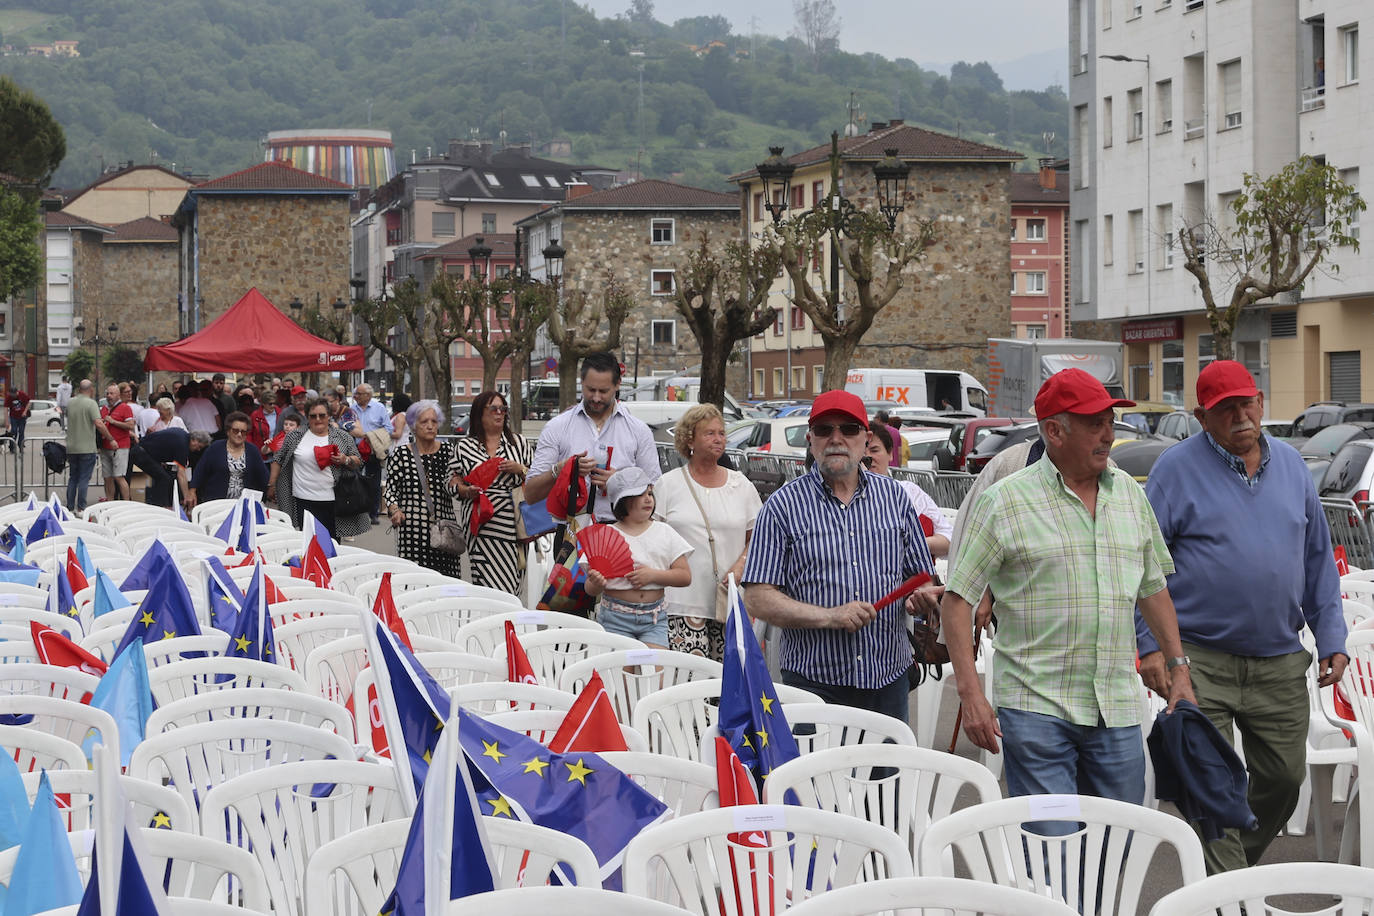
<point x="1074" y="391"/>
<point x="1222" y="379"/>
<point x="839" y="402"/>
<point x="298" y="390"/>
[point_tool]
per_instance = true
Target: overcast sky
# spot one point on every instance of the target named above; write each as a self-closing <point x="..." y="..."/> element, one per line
<point x="926" y="31"/>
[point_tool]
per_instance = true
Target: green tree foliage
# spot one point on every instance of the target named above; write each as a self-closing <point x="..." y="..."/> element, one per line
<point x="1276" y="232"/>
<point x="80" y="364"/>
<point x="428" y="70"/>
<point x="31" y="141"/>
<point x="20" y="257"/>
<point x="122" y="364"/>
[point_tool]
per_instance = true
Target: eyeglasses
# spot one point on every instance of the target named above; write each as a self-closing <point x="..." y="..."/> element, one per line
<point x="319" y="416"/>
<point x="848" y="430"/>
<point x="241" y="430"/>
<point x="498" y="408"/>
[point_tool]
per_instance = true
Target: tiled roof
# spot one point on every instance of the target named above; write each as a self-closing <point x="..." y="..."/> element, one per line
<point x="911" y="143"/>
<point x="502" y="245"/>
<point x="145" y="229"/>
<point x="655" y="194"/>
<point x="1025" y="189"/>
<point x="115" y="173"/>
<point x="272" y="176"/>
<point x="57" y="219"/>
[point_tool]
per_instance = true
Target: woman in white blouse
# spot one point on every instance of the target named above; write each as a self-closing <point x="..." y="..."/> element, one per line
<point x="686" y="498"/>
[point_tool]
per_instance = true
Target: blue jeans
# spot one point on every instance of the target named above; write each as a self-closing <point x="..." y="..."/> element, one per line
<point x="79" y="470"/>
<point x="645" y="622"/>
<point x="890" y="700"/>
<point x="1046" y="755"/>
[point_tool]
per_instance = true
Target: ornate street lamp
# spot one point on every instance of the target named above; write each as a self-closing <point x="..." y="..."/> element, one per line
<point x="890" y="176"/>
<point x="776" y="174"/>
<point x="554" y="254"/>
<point x="297" y="306"/>
<point x="339" y="305"/>
<point x="480" y="251"/>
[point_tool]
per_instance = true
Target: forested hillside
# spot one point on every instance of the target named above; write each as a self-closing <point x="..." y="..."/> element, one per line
<point x="199" y="83"/>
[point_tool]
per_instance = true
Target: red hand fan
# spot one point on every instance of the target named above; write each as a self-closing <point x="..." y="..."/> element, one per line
<point x="563" y="484"/>
<point x="484" y="475"/>
<point x="927" y="526"/>
<point x="323" y="455"/>
<point x="606" y="551"/>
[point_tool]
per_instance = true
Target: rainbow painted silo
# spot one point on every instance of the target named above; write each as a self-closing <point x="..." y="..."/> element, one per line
<point x="361" y="158"/>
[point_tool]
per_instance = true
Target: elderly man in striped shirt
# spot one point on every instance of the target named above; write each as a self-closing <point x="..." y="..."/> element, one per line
<point x="824" y="548"/>
<point x="1068" y="546"/>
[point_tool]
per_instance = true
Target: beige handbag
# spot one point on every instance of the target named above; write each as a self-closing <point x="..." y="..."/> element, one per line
<point x="722" y="589"/>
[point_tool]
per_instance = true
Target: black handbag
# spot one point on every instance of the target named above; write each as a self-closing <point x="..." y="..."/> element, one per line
<point x="350" y="494"/>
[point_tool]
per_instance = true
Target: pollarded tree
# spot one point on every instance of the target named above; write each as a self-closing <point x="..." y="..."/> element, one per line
<point x="871" y="255"/>
<point x="427" y="336"/>
<point x="575" y="327"/>
<point x="723" y="294"/>
<point x="1276" y="232"/>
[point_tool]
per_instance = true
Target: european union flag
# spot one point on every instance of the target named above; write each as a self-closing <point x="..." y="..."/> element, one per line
<point x="413" y="705"/>
<point x="577" y="793"/>
<point x="44" y="526"/>
<point x="251" y="634"/>
<point x="44" y="875"/>
<point x="108" y="597"/>
<point x="124" y="693"/>
<point x="134" y="898"/>
<point x="446" y="839"/>
<point x="223" y="596"/>
<point x="751" y="717"/>
<point x="240" y="527"/>
<point x="154" y="560"/>
<point x="58" y="509"/>
<point x="8" y="538"/>
<point x="164" y="613"/>
<point x="60" y="598"/>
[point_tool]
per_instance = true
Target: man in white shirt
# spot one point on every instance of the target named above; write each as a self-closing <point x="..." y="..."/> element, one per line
<point x="588" y="431"/>
<point x="64" y="394"/>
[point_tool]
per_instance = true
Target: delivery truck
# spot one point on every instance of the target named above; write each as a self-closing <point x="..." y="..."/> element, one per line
<point x="1017" y="368"/>
<point x="932" y="389"/>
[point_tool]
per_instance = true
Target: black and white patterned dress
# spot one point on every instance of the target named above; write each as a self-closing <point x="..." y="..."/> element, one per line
<point x="402" y="487"/>
<point x="494" y="555"/>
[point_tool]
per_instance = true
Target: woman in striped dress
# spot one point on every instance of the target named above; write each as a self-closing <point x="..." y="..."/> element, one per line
<point x="495" y="555"/>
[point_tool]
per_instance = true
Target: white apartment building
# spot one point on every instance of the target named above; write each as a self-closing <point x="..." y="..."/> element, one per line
<point x="1172" y="102"/>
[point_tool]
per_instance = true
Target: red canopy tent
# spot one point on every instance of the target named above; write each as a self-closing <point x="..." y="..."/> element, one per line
<point x="253" y="336"/>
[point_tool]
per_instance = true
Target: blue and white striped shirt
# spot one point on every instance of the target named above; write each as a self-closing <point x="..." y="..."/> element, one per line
<point x="821" y="551"/>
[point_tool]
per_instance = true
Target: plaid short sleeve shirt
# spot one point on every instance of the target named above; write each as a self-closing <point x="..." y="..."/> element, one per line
<point x="1066" y="583"/>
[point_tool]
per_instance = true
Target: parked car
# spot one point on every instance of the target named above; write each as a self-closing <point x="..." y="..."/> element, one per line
<point x="964" y="437"/>
<point x="793" y="410"/>
<point x="1322" y="414"/>
<point x="460" y="415"/>
<point x="1279" y="429"/>
<point x="922" y="441"/>
<point x="1145" y="415"/>
<point x="998" y="439"/>
<point x="1326" y="443"/>
<point x="786" y="436"/>
<point x="43" y="415"/>
<point x="1350" y="475"/>
<point x="1178" y="425"/>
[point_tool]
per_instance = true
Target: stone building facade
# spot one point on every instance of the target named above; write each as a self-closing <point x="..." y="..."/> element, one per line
<point x="140" y="270"/>
<point x="272" y="226"/>
<point x="641" y="233"/>
<point x="951" y="301"/>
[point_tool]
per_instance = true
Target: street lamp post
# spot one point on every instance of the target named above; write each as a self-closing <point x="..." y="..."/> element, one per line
<point x="96" y="341"/>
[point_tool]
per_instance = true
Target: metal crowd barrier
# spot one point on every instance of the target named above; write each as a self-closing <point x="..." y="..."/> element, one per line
<point x="1350" y="528"/>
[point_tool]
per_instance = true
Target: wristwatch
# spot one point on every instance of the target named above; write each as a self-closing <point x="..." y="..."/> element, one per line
<point x="1176" y="662"/>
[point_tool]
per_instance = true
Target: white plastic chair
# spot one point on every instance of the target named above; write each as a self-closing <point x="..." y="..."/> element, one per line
<point x="34" y="750"/>
<point x="38" y="679"/>
<point x="1246" y="891"/>
<point x="565" y="901"/>
<point x="553" y="650"/>
<point x="153" y="805"/>
<point x="677" y="720"/>
<point x="196" y="758"/>
<point x="896" y="786"/>
<point x="487" y="697"/>
<point x="285" y="813"/>
<point x="485" y="635"/>
<point x="442" y="617"/>
<point x="296" y="639"/>
<point x="351" y="578"/>
<point x="685" y="786"/>
<point x="418" y="584"/>
<point x="65" y="719"/>
<point x="1358" y="687"/>
<point x="929" y="895"/>
<point x="692" y="863"/>
<point x="198" y="675"/>
<point x="298" y="706"/>
<point x="1116" y="846"/>
<point x="210" y="643"/>
<point x="204" y="869"/>
<point x="19" y="615"/>
<point x="822" y="725"/>
<point x="333" y="669"/>
<point x="632" y="674"/>
<point x="543" y="724"/>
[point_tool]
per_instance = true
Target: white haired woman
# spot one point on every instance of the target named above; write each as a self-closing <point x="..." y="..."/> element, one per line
<point x="713" y="508"/>
<point x="403" y="496"/>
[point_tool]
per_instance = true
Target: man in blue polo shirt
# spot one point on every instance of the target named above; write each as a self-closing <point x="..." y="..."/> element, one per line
<point x="825" y="547"/>
<point x="1252" y="554"/>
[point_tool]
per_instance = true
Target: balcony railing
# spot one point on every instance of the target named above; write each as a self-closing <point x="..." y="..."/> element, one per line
<point x="1194" y="128"/>
<point x="1313" y="98"/>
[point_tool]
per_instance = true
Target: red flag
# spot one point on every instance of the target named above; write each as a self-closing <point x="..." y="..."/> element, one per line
<point x="518" y="667"/>
<point x="735" y="786"/>
<point x="590" y="724"/>
<point x="75" y="575"/>
<point x="56" y="649"/>
<point x="315" y="565"/>
<point x="1342" y="562"/>
<point x="274" y="594"/>
<point x="384" y="606"/>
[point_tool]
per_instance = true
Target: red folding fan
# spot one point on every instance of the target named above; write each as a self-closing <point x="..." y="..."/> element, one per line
<point x="561" y="503"/>
<point x="606" y="551"/>
<point x="481" y="477"/>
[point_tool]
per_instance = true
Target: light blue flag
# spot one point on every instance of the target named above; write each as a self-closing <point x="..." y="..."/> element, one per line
<point x="108" y="597"/>
<point x="20" y="546"/>
<point x="18" y="572"/>
<point x="44" y="876"/>
<point x="83" y="558"/>
<point x="124" y="693"/>
<point x="14" y="802"/>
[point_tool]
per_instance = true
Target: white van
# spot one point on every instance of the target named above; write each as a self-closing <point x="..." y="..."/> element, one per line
<point x="934" y="389"/>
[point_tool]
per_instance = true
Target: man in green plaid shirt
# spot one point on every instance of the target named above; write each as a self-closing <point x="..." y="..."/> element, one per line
<point x="1068" y="546"/>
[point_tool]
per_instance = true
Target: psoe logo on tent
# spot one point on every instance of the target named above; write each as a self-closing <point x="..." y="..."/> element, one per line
<point x="327" y="358"/>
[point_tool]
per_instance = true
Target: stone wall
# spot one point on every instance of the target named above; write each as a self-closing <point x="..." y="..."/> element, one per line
<point x="140" y="291"/>
<point x="285" y="246"/>
<point x="958" y="295"/>
<point x="619" y="241"/>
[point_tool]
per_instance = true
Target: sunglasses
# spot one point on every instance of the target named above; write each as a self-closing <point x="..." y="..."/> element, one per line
<point x="241" y="430"/>
<point x="319" y="416"/>
<point x="498" y="408"/>
<point x="848" y="430"/>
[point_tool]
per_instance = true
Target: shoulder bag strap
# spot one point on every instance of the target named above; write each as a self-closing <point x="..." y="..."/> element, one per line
<point x="424" y="482"/>
<point x="710" y="536"/>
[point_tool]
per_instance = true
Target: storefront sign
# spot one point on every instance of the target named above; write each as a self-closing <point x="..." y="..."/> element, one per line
<point x="1151" y="331"/>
